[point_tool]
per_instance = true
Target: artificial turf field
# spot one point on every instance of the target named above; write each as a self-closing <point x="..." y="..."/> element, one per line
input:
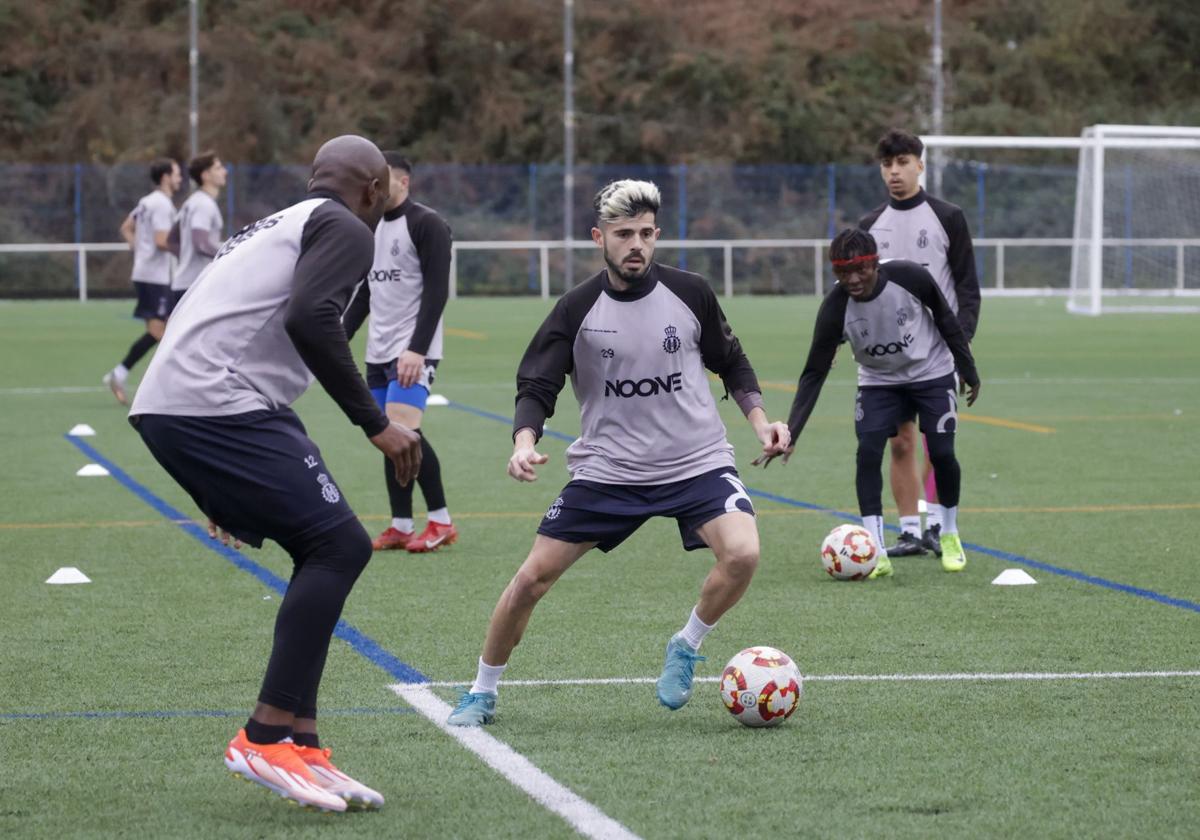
<point x="1079" y="466"/>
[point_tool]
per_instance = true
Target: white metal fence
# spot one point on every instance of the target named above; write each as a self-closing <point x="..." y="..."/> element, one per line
<point x="996" y="278"/>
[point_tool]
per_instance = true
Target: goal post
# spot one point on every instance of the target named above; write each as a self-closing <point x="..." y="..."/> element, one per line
<point x="1135" y="243"/>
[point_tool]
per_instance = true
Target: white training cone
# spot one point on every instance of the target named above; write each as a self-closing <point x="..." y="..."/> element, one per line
<point x="92" y="469"/>
<point x="82" y="430"/>
<point x="68" y="574"/>
<point x="437" y="399"/>
<point x="1013" y="577"/>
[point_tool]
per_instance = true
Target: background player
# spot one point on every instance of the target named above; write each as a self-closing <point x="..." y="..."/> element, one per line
<point x="146" y="229"/>
<point x="214" y="411"/>
<point x="408" y="288"/>
<point x="199" y="222"/>
<point x="913" y="225"/>
<point x="635" y="339"/>
<point x="907" y="343"/>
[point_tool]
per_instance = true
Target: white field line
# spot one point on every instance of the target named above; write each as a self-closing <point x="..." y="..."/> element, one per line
<point x="580" y="814"/>
<point x="61" y="389"/>
<point x="1010" y="676"/>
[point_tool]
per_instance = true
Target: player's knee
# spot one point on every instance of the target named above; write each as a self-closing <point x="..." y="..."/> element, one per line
<point x="741" y="561"/>
<point x="155" y="328"/>
<point x="527" y="588"/>
<point x="941" y="451"/>
<point x="903" y="447"/>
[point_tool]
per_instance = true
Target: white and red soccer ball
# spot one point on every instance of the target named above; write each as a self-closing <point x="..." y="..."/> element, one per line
<point x="761" y="686"/>
<point x="849" y="553"/>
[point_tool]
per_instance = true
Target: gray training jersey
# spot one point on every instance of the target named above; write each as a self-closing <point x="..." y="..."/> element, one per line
<point x="409" y="283"/>
<point x="903" y="334"/>
<point x="275" y="292"/>
<point x="199" y="213"/>
<point x="637" y="364"/>
<point x="154" y="213"/>
<point x="934" y="234"/>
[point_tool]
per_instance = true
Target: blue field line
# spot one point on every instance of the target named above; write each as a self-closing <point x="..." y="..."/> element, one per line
<point x="186" y="713"/>
<point x="1148" y="594"/>
<point x="362" y="643"/>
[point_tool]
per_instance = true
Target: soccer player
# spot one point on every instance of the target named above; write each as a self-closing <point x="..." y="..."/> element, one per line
<point x="146" y="229"/>
<point x="199" y="222"/>
<point x="635" y="340"/>
<point x="907" y="342"/>
<point x="408" y="289"/>
<point x="214" y="410"/>
<point x="913" y="225"/>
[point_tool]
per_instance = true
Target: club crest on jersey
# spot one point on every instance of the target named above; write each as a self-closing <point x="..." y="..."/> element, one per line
<point x="329" y="490"/>
<point x="396" y="247"/>
<point x="902" y="317"/>
<point x="923" y="239"/>
<point x="671" y="343"/>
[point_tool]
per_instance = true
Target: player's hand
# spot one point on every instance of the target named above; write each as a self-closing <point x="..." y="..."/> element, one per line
<point x="524" y="459"/>
<point x="215" y="532"/>
<point x="972" y="391"/>
<point x="402" y="446"/>
<point x="765" y="460"/>
<point x="408" y="368"/>
<point x="775" y="438"/>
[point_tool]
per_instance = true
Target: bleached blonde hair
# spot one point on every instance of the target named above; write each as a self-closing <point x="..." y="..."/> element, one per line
<point x="625" y="199"/>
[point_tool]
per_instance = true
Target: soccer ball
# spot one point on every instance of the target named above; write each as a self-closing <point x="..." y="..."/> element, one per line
<point x="849" y="553"/>
<point x="761" y="686"/>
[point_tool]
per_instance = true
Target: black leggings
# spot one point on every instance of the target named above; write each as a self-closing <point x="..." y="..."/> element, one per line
<point x="869" y="477"/>
<point x="325" y="568"/>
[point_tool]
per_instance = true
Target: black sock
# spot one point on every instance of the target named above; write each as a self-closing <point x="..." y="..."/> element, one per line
<point x="261" y="733"/>
<point x="399" y="497"/>
<point x="138" y="349"/>
<point x="430" y="476"/>
<point x="307" y="739"/>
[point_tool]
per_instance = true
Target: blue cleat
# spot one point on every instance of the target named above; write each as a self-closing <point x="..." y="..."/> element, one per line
<point x="674" y="686"/>
<point x="473" y="709"/>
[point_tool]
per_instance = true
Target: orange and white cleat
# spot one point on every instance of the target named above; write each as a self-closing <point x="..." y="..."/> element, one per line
<point x="280" y="768"/>
<point x="391" y="539"/>
<point x="355" y="793"/>
<point x="433" y="537"/>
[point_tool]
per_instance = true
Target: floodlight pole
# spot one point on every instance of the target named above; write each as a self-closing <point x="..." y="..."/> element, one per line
<point x="568" y="140"/>
<point x="935" y="180"/>
<point x="193" y="77"/>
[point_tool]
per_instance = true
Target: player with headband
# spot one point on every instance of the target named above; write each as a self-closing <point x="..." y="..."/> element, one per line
<point x="908" y="343"/>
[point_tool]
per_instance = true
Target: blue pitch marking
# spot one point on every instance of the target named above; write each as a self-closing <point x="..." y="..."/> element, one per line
<point x="1149" y="594"/>
<point x="184" y="713"/>
<point x="362" y="643"/>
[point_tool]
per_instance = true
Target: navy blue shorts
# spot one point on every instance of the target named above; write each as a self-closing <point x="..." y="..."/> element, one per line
<point x="153" y="301"/>
<point x="257" y="475"/>
<point x="607" y="514"/>
<point x="883" y="408"/>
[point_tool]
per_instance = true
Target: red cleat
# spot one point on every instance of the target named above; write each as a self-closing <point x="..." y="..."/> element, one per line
<point x="433" y="537"/>
<point x="391" y="539"/>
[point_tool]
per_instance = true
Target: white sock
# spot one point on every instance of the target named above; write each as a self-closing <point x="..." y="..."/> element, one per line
<point x="404" y="526"/>
<point x="950" y="520"/>
<point x="911" y="525"/>
<point x="695" y="630"/>
<point x="120" y="373"/>
<point x="934" y="516"/>
<point x="441" y="516"/>
<point x="874" y="526"/>
<point x="487" y="677"/>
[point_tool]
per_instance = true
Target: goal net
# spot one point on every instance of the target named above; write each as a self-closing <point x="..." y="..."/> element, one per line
<point x="1136" y="241"/>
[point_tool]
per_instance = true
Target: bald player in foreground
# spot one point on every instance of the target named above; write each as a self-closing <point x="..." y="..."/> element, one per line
<point x="214" y="409"/>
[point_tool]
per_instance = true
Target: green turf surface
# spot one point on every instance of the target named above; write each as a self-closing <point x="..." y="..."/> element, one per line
<point x="1094" y="474"/>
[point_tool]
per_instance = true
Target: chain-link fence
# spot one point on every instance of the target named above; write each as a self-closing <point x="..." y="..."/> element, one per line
<point x="86" y="203"/>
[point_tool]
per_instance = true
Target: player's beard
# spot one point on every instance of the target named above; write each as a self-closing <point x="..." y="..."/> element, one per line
<point x="628" y="275"/>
